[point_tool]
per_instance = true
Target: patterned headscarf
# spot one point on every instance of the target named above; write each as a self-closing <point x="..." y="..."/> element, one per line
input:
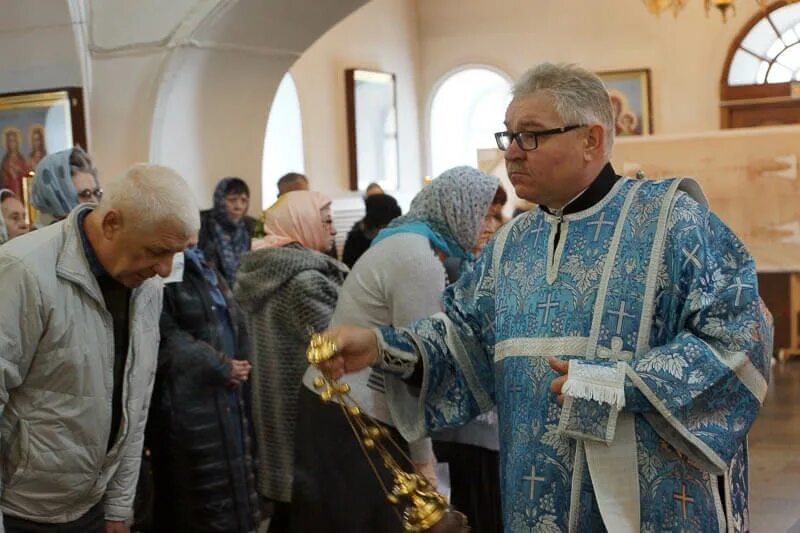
<point x="296" y="217"/>
<point x="52" y="190"/>
<point x="232" y="238"/>
<point x="452" y="208"/>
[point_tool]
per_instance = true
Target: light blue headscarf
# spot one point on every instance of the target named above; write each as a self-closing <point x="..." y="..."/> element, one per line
<point x="449" y="211"/>
<point x="52" y="190"/>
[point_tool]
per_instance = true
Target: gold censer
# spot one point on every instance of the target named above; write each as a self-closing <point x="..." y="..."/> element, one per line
<point x="418" y="505"/>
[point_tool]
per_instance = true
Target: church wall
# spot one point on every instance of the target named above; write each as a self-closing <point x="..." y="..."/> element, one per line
<point x="37" y="46"/>
<point x="749" y="177"/>
<point x="210" y="117"/>
<point x="96" y="45"/>
<point x="212" y="105"/>
<point x="188" y="85"/>
<point x="211" y="113"/>
<point x="685" y="54"/>
<point x="379" y="36"/>
<point x="202" y="107"/>
<point x="686" y="57"/>
<point x="121" y="110"/>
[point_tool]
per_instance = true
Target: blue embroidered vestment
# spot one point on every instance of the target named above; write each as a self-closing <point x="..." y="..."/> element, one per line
<point x="648" y="289"/>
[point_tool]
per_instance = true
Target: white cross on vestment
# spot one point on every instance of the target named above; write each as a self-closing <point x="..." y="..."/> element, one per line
<point x="532" y="479"/>
<point x="692" y="256"/>
<point x="621" y="316"/>
<point x="599" y="223"/>
<point x="615" y="352"/>
<point x="739" y="286"/>
<point x="547" y="306"/>
<point x="540" y="228"/>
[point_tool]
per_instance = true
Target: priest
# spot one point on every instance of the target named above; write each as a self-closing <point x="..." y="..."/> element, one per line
<point x="617" y="328"/>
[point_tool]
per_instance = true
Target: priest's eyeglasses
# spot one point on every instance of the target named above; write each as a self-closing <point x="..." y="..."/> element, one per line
<point x="528" y="140"/>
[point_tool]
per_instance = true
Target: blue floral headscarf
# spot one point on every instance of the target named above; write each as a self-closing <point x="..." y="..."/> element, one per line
<point x="449" y="211"/>
<point x="232" y="238"/>
<point x="52" y="190"/>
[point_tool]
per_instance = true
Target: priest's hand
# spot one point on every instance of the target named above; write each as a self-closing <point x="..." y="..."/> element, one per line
<point x="357" y="348"/>
<point x="562" y="367"/>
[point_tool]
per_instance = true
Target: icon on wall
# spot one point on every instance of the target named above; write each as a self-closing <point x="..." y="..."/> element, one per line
<point x="33" y="124"/>
<point x="630" y="98"/>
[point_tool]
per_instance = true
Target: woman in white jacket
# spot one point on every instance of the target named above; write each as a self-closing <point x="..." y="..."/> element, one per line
<point x="400" y="279"/>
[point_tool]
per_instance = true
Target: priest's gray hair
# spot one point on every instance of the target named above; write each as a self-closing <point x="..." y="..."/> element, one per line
<point x="149" y="195"/>
<point x="580" y="96"/>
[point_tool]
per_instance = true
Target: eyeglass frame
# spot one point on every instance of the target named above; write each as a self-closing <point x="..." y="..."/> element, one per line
<point x="515" y="136"/>
<point x="96" y="193"/>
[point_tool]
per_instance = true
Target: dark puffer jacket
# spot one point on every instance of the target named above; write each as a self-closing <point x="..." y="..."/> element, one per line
<point x="199" y="432"/>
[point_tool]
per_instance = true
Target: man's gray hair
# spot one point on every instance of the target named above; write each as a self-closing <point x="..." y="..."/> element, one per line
<point x="580" y="96"/>
<point x="153" y="194"/>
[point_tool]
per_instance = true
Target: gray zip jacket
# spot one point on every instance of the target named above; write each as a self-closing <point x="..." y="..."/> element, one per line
<point x="56" y="381"/>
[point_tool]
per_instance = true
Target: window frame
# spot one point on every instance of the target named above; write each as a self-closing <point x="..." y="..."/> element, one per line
<point x="435" y="91"/>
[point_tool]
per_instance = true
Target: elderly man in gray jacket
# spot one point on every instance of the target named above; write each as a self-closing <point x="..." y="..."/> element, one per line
<point x="78" y="345"/>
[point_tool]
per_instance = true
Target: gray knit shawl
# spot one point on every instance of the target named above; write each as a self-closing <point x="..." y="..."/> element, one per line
<point x="284" y="292"/>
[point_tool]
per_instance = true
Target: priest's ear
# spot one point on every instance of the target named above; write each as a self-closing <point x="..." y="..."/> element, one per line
<point x="594" y="143"/>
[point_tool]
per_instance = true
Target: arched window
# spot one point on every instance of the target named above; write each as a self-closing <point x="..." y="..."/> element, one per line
<point x="283" y="141"/>
<point x="467" y="108"/>
<point x="762" y="63"/>
<point x="770" y="52"/>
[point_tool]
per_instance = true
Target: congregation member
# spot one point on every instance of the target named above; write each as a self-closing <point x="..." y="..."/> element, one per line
<point x="79" y="323"/>
<point x="224" y="230"/>
<point x="381" y="209"/>
<point x="13" y="221"/>
<point x="372" y="189"/>
<point x="455" y="266"/>
<point x="493" y="220"/>
<point x="471" y="452"/>
<point x="617" y="328"/>
<point x="287" y="287"/>
<point x="292" y="181"/>
<point x="199" y="432"/>
<point x="398" y="280"/>
<point x="63" y="180"/>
